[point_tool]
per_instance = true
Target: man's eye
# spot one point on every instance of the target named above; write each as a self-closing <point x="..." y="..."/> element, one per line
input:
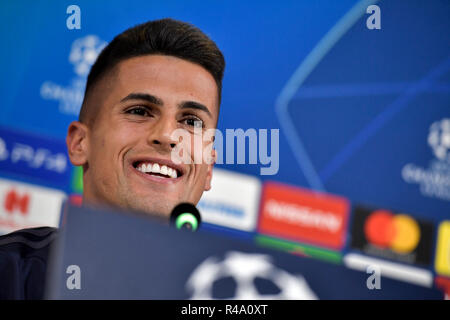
<point x="193" y="122"/>
<point x="139" y="111"/>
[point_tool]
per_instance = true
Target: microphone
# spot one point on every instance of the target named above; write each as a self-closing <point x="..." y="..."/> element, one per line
<point x="185" y="216"/>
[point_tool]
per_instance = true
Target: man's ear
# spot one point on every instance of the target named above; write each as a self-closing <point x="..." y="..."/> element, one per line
<point x="77" y="141"/>
<point x="210" y="170"/>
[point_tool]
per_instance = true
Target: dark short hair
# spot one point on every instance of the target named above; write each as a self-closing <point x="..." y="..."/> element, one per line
<point x="167" y="37"/>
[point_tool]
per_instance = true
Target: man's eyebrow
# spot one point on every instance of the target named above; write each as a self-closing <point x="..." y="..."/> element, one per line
<point x="195" y="105"/>
<point x="143" y="96"/>
<point x="155" y="100"/>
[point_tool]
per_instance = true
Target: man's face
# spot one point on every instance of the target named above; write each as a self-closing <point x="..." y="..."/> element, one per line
<point x="140" y="104"/>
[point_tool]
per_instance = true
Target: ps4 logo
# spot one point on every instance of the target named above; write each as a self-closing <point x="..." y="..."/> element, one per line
<point x="30" y="156"/>
<point x="34" y="158"/>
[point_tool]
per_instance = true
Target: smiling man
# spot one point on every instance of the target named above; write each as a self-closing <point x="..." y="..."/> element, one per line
<point x="148" y="82"/>
<point x="151" y="81"/>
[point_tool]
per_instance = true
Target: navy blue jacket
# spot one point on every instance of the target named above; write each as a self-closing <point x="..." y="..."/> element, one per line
<point x="23" y="262"/>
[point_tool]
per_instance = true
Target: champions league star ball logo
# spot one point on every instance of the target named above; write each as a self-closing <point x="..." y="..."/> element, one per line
<point x="434" y="181"/>
<point x="245" y="276"/>
<point x="439" y="139"/>
<point x="83" y="53"/>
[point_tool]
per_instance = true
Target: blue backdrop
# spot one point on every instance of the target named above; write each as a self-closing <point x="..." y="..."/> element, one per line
<point x="354" y="106"/>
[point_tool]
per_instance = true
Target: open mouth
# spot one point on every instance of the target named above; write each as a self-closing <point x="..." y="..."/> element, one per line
<point x="157" y="170"/>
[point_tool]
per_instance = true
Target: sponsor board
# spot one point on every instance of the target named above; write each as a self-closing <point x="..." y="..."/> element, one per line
<point x="232" y="201"/>
<point x="389" y="235"/>
<point x="26" y="206"/>
<point x="303" y="215"/>
<point x="442" y="260"/>
<point x="28" y="156"/>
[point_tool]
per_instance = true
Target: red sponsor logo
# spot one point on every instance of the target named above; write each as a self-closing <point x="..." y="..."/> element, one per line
<point x="303" y="215"/>
<point x="76" y="200"/>
<point x="444" y="285"/>
<point x="15" y="201"/>
<point x="398" y="232"/>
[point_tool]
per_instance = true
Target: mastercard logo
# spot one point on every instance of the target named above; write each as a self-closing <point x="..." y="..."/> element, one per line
<point x="398" y="232"/>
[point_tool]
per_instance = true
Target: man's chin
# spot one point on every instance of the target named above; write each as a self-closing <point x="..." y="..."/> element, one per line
<point x="161" y="209"/>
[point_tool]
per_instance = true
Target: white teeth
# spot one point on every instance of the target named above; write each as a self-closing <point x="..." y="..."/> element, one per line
<point x="156" y="168"/>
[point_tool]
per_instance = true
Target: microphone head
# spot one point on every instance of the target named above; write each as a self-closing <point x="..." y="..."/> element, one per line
<point x="185" y="216"/>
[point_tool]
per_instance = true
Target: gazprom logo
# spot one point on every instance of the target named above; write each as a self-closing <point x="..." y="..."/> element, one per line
<point x="221" y="208"/>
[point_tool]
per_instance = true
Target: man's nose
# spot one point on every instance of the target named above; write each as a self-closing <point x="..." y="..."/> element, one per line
<point x="161" y="134"/>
